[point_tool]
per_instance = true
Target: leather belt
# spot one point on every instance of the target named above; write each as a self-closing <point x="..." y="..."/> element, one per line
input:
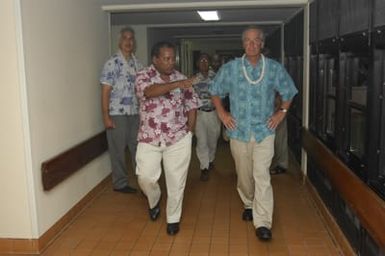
<point x="206" y="109"/>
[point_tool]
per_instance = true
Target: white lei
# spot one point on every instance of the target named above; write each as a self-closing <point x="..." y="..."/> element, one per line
<point x="247" y="76"/>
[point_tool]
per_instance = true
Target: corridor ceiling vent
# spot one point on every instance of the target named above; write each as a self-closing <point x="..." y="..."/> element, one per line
<point x="209" y="15"/>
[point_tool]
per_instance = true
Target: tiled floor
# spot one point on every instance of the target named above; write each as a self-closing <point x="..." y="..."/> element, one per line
<point x="118" y="224"/>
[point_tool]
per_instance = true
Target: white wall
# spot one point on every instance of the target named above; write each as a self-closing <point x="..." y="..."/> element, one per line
<point x="146" y="39"/>
<point x="15" y="218"/>
<point x="65" y="44"/>
<point x="141" y="51"/>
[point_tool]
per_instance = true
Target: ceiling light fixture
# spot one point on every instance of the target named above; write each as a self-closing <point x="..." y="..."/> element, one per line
<point x="209" y="15"/>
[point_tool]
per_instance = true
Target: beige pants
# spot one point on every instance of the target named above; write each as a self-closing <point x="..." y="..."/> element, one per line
<point x="207" y="130"/>
<point x="176" y="160"/>
<point x="252" y="162"/>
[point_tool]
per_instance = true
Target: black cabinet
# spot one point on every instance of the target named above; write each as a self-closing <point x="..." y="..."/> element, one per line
<point x="354" y="16"/>
<point x="335" y="18"/>
<point x="328" y="19"/>
<point x="313" y="23"/>
<point x="347" y="101"/>
<point x="379" y="13"/>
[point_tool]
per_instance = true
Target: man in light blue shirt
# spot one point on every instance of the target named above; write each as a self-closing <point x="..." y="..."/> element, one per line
<point x="251" y="83"/>
<point x="120" y="108"/>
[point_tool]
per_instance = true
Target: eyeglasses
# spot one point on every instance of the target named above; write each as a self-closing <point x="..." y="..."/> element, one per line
<point x="204" y="60"/>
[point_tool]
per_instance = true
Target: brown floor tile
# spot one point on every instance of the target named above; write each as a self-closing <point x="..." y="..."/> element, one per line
<point x="119" y="253"/>
<point x="118" y="224"/>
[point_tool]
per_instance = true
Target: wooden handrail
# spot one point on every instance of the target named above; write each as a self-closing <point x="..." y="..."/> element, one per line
<point x="368" y="206"/>
<point x="60" y="167"/>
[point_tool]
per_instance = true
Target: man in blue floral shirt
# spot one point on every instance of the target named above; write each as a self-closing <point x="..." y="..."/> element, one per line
<point x="252" y="82"/>
<point x="120" y="108"/>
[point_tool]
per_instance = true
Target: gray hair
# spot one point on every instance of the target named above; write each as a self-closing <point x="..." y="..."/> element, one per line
<point x="253" y="27"/>
<point x="125" y="30"/>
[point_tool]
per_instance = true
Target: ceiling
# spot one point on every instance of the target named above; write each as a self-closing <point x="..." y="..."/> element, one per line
<point x="181" y="19"/>
<point x="253" y="15"/>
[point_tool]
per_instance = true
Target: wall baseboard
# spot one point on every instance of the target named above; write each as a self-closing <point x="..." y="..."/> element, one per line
<point x="36" y="246"/>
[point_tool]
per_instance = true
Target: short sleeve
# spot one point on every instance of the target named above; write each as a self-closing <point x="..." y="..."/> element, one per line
<point x="219" y="86"/>
<point x="107" y="76"/>
<point x="142" y="81"/>
<point x="285" y="84"/>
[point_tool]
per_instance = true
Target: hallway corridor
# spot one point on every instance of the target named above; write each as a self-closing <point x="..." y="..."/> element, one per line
<point x="118" y="224"/>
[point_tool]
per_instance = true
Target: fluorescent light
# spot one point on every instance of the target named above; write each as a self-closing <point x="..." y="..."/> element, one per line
<point x="208" y="15"/>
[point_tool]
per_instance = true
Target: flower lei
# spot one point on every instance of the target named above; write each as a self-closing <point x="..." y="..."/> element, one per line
<point x="247" y="76"/>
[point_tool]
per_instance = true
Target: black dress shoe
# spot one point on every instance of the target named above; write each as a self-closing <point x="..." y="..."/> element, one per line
<point x="126" y="189"/>
<point x="247" y="215"/>
<point x="263" y="233"/>
<point x="154" y="212"/>
<point x="172" y="228"/>
<point x="204" y="175"/>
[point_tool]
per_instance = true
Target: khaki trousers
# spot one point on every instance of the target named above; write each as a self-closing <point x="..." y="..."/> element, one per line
<point x="207" y="130"/>
<point x="176" y="160"/>
<point x="252" y="162"/>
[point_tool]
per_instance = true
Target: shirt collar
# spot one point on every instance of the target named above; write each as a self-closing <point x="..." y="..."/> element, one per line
<point x="120" y="54"/>
<point x="172" y="75"/>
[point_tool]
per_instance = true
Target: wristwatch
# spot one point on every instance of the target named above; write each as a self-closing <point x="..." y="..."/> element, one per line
<point x="284" y="110"/>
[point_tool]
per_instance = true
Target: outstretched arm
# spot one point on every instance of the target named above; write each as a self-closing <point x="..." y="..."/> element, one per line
<point x="156" y="90"/>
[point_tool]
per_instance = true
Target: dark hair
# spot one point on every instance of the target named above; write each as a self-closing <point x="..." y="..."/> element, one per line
<point x="204" y="55"/>
<point x="156" y="48"/>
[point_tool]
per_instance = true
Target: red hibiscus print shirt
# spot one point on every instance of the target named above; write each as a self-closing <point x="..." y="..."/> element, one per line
<point x="163" y="119"/>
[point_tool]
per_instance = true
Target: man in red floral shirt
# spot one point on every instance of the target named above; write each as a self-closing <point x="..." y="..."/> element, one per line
<point x="167" y="118"/>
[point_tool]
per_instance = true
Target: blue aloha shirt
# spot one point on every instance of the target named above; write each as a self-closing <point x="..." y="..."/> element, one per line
<point x="202" y="89"/>
<point x="120" y="74"/>
<point x="252" y="105"/>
